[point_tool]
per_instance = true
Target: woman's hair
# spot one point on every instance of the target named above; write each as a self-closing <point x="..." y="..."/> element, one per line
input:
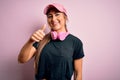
<point x="42" y="43"/>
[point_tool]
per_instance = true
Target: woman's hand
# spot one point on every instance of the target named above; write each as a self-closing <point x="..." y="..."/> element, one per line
<point x="39" y="34"/>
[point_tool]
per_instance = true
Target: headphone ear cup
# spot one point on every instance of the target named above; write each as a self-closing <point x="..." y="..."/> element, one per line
<point x="62" y="35"/>
<point x="54" y="35"/>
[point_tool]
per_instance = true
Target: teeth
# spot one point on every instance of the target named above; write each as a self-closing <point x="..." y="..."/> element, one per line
<point x="54" y="23"/>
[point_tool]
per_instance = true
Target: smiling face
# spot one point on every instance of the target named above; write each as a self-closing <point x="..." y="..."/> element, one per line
<point x="56" y="20"/>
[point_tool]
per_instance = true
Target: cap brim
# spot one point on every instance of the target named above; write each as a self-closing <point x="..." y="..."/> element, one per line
<point x="57" y="6"/>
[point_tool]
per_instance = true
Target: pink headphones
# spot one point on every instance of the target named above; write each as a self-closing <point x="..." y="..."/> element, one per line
<point x="61" y="36"/>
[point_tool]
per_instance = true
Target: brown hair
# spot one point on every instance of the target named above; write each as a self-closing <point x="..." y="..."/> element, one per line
<point x="42" y="43"/>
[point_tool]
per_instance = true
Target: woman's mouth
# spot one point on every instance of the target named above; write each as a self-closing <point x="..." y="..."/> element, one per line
<point x="55" y="23"/>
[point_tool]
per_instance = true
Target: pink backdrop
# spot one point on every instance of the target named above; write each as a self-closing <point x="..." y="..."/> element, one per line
<point x="95" y="22"/>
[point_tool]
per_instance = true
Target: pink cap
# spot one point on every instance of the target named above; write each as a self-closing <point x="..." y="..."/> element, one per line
<point x="59" y="7"/>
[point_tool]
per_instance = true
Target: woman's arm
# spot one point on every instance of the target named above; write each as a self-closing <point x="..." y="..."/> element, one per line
<point x="78" y="69"/>
<point x="28" y="51"/>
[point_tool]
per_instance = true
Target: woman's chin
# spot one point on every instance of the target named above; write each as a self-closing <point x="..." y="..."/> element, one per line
<point x="55" y="28"/>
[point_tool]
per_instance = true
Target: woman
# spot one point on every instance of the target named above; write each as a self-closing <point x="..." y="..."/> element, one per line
<point x="58" y="54"/>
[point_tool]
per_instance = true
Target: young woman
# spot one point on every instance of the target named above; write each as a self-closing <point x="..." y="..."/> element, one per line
<point x="58" y="54"/>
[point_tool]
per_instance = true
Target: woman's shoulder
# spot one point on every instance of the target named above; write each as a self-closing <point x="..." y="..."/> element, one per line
<point x="74" y="38"/>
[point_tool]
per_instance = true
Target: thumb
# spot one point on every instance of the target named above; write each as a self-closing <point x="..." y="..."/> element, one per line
<point x="43" y="27"/>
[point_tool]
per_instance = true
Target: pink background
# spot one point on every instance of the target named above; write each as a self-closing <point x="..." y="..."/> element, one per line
<point x="95" y="22"/>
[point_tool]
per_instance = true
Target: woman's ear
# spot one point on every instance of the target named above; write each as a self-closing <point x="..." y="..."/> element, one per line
<point x="65" y="16"/>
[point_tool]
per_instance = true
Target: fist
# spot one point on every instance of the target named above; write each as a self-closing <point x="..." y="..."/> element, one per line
<point x="39" y="34"/>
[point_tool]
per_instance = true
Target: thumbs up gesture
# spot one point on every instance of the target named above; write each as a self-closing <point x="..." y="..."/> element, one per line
<point x="39" y="34"/>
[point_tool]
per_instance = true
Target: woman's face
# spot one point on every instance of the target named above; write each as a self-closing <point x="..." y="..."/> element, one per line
<point x="56" y="21"/>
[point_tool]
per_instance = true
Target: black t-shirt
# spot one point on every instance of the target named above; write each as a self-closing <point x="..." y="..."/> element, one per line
<point x="57" y="58"/>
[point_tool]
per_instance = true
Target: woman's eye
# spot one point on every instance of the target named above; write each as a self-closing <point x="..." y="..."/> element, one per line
<point x="57" y="14"/>
<point x="49" y="16"/>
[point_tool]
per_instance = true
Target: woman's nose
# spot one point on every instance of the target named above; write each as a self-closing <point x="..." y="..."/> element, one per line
<point x="53" y="18"/>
